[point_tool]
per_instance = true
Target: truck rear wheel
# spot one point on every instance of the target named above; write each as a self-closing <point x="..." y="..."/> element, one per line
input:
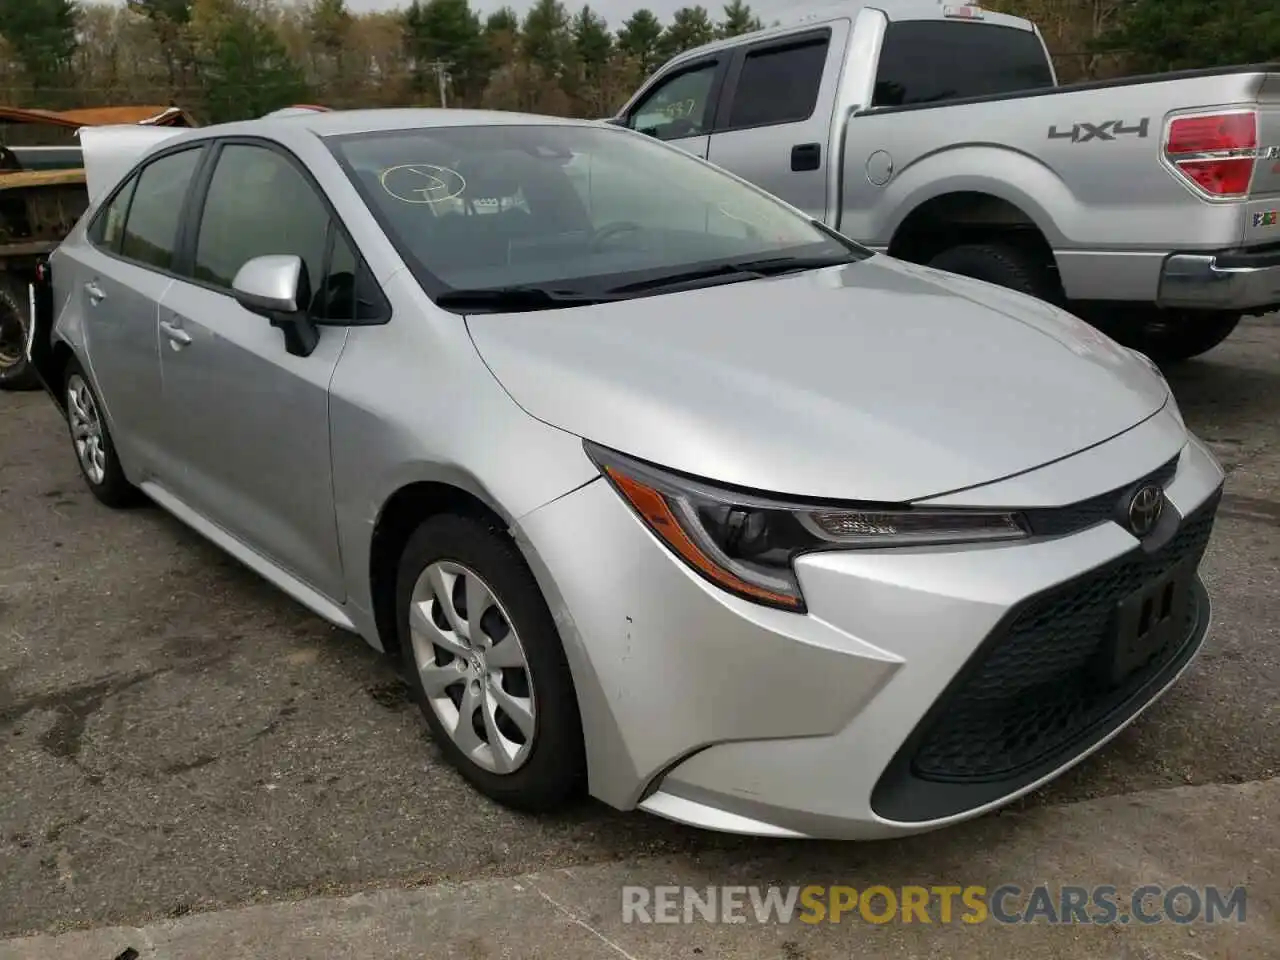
<point x="15" y="372"/>
<point x="1167" y="336"/>
<point x="1002" y="264"/>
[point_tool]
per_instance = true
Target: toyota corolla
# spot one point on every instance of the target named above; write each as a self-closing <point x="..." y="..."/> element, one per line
<point x="655" y="488"/>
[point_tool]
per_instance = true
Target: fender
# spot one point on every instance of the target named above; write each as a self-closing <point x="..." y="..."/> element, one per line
<point x="1023" y="181"/>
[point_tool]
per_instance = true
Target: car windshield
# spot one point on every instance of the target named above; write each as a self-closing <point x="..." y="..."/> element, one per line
<point x="574" y="210"/>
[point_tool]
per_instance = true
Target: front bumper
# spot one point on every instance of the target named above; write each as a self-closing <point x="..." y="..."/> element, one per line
<point x="1242" y="281"/>
<point x="842" y="723"/>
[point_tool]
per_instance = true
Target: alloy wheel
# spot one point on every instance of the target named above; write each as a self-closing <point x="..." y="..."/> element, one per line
<point x="86" y="429"/>
<point x="472" y="667"/>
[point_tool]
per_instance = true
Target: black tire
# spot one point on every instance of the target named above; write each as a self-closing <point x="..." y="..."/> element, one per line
<point x="554" y="773"/>
<point x="1001" y="264"/>
<point x="113" y="489"/>
<point x="15" y="372"/>
<point x="1183" y="335"/>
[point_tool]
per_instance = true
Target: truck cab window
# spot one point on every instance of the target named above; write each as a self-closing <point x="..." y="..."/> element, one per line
<point x="929" y="61"/>
<point x="779" y="85"/>
<point x="677" y="107"/>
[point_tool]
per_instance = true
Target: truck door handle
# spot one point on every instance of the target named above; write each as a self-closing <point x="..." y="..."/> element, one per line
<point x="806" y="156"/>
<point x="95" y="292"/>
<point x="178" y="337"/>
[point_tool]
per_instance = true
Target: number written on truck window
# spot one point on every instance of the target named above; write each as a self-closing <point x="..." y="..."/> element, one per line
<point x="677" y="107"/>
<point x="928" y="61"/>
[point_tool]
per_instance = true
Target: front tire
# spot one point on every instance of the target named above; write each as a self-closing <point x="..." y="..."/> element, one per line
<point x="91" y="440"/>
<point x="484" y="660"/>
<point x="16" y="372"/>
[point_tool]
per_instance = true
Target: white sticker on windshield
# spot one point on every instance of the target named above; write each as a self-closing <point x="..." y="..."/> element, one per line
<point x="422" y="183"/>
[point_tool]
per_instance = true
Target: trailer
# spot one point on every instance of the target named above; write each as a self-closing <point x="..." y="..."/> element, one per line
<point x="43" y="193"/>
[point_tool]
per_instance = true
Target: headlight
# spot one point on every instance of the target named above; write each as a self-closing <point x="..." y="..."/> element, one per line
<point x="747" y="543"/>
<point x="1155" y="369"/>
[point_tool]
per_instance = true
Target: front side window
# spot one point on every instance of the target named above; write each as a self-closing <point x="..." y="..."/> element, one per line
<point x="779" y="85"/>
<point x="574" y="206"/>
<point x="151" y="230"/>
<point x="258" y="204"/>
<point x="678" y="107"/>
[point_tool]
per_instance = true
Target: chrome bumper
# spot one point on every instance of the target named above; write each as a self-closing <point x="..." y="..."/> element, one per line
<point x="1234" y="281"/>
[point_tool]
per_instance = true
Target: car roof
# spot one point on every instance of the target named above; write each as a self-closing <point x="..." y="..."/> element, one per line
<point x="331" y="123"/>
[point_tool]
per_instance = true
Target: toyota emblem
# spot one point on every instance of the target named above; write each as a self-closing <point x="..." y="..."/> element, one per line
<point x="1145" y="509"/>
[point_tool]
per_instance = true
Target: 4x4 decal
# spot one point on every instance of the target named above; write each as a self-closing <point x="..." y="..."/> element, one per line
<point x="1107" y="130"/>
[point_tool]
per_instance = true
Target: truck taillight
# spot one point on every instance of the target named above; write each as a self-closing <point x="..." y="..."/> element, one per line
<point x="1215" y="152"/>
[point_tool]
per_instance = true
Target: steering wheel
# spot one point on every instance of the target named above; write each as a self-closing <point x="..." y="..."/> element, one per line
<point x="614" y="229"/>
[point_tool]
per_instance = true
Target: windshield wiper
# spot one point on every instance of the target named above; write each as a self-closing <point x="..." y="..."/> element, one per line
<point x="738" y="270"/>
<point x="771" y="266"/>
<point x="517" y="299"/>
<point x="728" y="271"/>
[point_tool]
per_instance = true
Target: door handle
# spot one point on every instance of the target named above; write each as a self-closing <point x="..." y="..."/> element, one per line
<point x="178" y="338"/>
<point x="806" y="156"/>
<point x="95" y="292"/>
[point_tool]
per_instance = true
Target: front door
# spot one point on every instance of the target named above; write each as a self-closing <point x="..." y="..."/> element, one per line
<point x="250" y="421"/>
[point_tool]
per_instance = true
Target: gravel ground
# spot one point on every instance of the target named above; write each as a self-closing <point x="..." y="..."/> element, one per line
<point x="177" y="736"/>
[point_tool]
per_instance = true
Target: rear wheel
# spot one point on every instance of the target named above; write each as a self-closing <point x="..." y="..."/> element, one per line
<point x="484" y="660"/>
<point x="1002" y="264"/>
<point x="1166" y="336"/>
<point x="16" y="373"/>
<point x="95" y="451"/>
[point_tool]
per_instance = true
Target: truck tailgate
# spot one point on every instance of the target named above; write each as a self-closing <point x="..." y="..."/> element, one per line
<point x="1262" y="212"/>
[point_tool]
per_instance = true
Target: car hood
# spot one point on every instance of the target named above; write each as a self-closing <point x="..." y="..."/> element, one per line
<point x="877" y="380"/>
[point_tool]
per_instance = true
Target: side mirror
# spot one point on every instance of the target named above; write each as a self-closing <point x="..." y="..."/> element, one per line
<point x="277" y="287"/>
<point x="616" y="121"/>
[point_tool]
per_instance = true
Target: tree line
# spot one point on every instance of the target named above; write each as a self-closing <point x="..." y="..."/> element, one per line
<point x="231" y="59"/>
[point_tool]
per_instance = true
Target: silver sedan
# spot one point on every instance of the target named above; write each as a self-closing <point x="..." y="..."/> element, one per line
<point x="656" y="488"/>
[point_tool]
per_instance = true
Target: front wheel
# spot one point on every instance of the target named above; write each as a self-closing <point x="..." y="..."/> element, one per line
<point x="484" y="660"/>
<point x="16" y="372"/>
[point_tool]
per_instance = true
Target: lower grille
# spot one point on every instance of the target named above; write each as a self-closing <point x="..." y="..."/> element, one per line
<point x="1032" y="696"/>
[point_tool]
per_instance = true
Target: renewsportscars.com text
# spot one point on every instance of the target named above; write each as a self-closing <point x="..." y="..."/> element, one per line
<point x="1006" y="904"/>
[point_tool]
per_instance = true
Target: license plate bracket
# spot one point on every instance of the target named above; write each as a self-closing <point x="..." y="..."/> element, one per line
<point x="1145" y="622"/>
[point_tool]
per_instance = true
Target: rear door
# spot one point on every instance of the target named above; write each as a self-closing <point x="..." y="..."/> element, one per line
<point x="118" y="277"/>
<point x="679" y="105"/>
<point x="774" y="126"/>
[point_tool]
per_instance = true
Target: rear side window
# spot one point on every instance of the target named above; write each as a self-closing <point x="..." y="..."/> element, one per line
<point x="108" y="229"/>
<point x="927" y="61"/>
<point x="779" y="84"/>
<point x="151" y="231"/>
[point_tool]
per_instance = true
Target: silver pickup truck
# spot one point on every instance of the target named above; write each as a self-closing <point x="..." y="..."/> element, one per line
<point x="1149" y="206"/>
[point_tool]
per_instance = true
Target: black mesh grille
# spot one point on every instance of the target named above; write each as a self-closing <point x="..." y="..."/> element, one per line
<point x="1035" y="692"/>
<point x="1059" y="521"/>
